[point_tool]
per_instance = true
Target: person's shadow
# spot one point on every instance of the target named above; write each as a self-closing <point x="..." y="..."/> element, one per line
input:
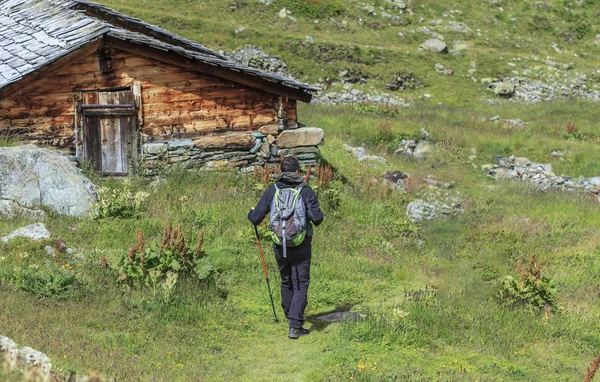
<point x="341" y="313"/>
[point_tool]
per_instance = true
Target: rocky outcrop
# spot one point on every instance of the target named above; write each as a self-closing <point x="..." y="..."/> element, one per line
<point x="33" y="177"/>
<point x="526" y="90"/>
<point x="405" y="81"/>
<point x="255" y="57"/>
<point x="436" y="201"/>
<point x="499" y="87"/>
<point x="540" y="176"/>
<point x="355" y="96"/>
<point x="236" y="150"/>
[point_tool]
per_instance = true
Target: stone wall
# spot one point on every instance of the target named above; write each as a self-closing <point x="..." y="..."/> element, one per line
<point x="236" y="150"/>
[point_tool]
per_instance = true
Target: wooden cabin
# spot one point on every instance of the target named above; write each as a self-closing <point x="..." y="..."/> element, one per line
<point x="115" y="91"/>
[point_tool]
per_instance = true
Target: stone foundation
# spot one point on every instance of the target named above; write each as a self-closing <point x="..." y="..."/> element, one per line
<point x="236" y="150"/>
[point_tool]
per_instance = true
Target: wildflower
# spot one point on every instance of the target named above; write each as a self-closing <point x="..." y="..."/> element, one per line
<point x="65" y="356"/>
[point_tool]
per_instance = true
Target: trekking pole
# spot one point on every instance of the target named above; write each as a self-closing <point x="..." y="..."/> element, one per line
<point x="264" y="265"/>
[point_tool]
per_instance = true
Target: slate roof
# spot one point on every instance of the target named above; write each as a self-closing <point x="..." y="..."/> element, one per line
<point x="35" y="33"/>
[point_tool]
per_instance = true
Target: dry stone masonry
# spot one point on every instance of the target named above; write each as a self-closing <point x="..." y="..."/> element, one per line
<point x="540" y="176"/>
<point x="237" y="150"/>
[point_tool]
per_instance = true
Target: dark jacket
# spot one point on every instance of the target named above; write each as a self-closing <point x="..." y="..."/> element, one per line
<point x="313" y="210"/>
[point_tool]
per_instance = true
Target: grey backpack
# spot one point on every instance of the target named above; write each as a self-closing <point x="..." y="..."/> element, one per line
<point x="288" y="218"/>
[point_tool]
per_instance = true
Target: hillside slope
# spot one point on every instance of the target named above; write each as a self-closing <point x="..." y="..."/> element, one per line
<point x="368" y="43"/>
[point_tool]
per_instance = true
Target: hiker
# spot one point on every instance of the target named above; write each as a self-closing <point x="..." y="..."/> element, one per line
<point x="293" y="260"/>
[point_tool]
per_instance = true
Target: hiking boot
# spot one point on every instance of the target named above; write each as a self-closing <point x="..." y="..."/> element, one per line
<point x="294" y="333"/>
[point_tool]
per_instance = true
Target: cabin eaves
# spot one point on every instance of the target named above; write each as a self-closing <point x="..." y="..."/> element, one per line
<point x="36" y="33"/>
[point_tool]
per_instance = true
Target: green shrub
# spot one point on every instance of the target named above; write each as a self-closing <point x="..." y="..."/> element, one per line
<point x="155" y="264"/>
<point x="53" y="281"/>
<point x="532" y="289"/>
<point x="116" y="203"/>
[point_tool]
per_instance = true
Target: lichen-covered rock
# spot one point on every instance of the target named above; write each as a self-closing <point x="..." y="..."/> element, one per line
<point x="304" y="136"/>
<point x="34" y="177"/>
<point x="25" y="355"/>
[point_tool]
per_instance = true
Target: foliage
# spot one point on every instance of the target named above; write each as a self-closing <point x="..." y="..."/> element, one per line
<point x="312" y="9"/>
<point x="117" y="203"/>
<point x="532" y="289"/>
<point x="8" y="141"/>
<point x="146" y="265"/>
<point x="369" y="257"/>
<point x="384" y="110"/>
<point x="52" y="281"/>
<point x="572" y="132"/>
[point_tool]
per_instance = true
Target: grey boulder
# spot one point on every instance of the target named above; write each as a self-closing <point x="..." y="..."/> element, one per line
<point x="435" y="45"/>
<point x="34" y="177"/>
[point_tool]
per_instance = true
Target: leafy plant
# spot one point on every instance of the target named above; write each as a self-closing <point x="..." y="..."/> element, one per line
<point x="54" y="281"/>
<point x="573" y="133"/>
<point x="149" y="265"/>
<point x="532" y="289"/>
<point x="116" y="203"/>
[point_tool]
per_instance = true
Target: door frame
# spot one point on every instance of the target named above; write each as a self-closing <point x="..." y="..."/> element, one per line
<point x="82" y="110"/>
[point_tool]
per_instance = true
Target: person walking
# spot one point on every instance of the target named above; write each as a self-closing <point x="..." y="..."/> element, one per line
<point x="293" y="261"/>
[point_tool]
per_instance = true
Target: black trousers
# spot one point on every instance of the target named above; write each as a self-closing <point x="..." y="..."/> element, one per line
<point x="295" y="277"/>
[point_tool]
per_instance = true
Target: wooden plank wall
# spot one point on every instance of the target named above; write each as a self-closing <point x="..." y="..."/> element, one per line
<point x="176" y="102"/>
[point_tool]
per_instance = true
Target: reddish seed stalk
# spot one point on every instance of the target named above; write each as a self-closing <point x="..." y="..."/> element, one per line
<point x="592" y="369"/>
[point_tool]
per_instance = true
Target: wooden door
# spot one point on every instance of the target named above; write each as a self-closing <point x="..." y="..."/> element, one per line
<point x="109" y="130"/>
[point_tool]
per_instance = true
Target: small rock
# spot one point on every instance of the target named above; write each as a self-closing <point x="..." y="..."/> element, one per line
<point x="435" y="45"/>
<point x="557" y="153"/>
<point x="49" y="250"/>
<point x="397" y="179"/>
<point x="522" y="162"/>
<point x="36" y="231"/>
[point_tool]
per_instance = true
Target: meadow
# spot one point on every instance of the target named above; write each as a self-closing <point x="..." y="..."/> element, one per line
<point x="431" y="294"/>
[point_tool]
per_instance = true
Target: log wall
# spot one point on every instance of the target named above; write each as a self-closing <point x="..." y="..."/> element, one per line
<point x="177" y="103"/>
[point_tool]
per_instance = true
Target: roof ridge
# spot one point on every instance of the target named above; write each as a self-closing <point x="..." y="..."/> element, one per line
<point x="103" y="13"/>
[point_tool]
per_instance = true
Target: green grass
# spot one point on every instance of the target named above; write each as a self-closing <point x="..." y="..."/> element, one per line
<point x="346" y="36"/>
<point x="428" y="292"/>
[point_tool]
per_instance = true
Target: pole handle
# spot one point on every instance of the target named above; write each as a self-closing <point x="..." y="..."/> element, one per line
<point x="260" y="250"/>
